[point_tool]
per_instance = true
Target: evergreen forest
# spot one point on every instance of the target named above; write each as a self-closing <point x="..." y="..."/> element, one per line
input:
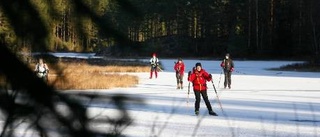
<point x="179" y="28"/>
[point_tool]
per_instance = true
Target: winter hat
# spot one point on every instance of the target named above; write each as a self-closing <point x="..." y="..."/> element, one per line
<point x="198" y="64"/>
<point x="154" y="54"/>
<point x="179" y="59"/>
<point x="227" y="56"/>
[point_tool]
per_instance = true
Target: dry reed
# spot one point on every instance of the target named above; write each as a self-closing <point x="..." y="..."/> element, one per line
<point x="64" y="76"/>
<point x="85" y="76"/>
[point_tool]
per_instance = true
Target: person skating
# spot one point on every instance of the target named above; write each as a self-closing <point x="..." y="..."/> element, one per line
<point x="179" y="67"/>
<point x="199" y="79"/>
<point x="227" y="66"/>
<point x="42" y="70"/>
<point x="154" y="62"/>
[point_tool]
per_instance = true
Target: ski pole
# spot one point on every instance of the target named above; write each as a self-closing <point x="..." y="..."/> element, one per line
<point x="159" y="69"/>
<point x="217" y="95"/>
<point x="188" y="94"/>
<point x="220" y="79"/>
<point x="189" y="73"/>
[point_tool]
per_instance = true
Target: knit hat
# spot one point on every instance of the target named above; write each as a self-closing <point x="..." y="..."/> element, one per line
<point x="154" y="54"/>
<point x="179" y="59"/>
<point x="198" y="64"/>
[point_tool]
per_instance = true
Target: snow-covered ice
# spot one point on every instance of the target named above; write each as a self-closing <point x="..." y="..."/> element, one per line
<point x="260" y="103"/>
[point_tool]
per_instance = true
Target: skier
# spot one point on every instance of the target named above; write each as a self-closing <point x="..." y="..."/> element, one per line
<point x="154" y="62"/>
<point x="199" y="79"/>
<point x="42" y="70"/>
<point x="179" y="68"/>
<point x="227" y="66"/>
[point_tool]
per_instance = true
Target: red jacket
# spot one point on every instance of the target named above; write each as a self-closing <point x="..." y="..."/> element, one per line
<point x="179" y="68"/>
<point x="199" y="80"/>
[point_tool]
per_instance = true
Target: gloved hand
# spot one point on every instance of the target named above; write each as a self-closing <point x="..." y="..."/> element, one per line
<point x="222" y="65"/>
<point x="231" y="69"/>
<point x="210" y="76"/>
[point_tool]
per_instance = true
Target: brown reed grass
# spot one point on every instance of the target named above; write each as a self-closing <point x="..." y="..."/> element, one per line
<point x="86" y="76"/>
<point x="66" y="76"/>
<point x="92" y="81"/>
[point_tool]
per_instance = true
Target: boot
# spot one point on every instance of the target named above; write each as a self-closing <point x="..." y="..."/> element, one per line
<point x="212" y="113"/>
<point x="196" y="112"/>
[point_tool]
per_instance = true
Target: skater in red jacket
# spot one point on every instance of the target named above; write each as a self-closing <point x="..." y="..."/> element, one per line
<point x="179" y="68"/>
<point x="199" y="79"/>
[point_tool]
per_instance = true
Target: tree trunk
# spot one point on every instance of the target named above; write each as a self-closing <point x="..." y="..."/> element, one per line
<point x="257" y="24"/>
<point x="249" y="26"/>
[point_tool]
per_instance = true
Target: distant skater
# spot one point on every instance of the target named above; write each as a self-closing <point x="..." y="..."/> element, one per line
<point x="42" y="70"/>
<point x="228" y="67"/>
<point x="154" y="62"/>
<point x="179" y="68"/>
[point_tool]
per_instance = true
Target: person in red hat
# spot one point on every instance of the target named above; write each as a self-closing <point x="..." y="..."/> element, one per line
<point x="199" y="80"/>
<point x="179" y="68"/>
<point x="154" y="62"/>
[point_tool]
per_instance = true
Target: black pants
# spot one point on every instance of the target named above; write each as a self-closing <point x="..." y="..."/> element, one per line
<point x="227" y="78"/>
<point x="198" y="99"/>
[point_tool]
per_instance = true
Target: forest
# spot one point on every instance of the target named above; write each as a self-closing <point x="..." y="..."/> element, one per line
<point x="271" y="29"/>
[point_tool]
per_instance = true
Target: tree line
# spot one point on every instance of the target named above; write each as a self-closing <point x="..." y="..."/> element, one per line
<point x="245" y="28"/>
